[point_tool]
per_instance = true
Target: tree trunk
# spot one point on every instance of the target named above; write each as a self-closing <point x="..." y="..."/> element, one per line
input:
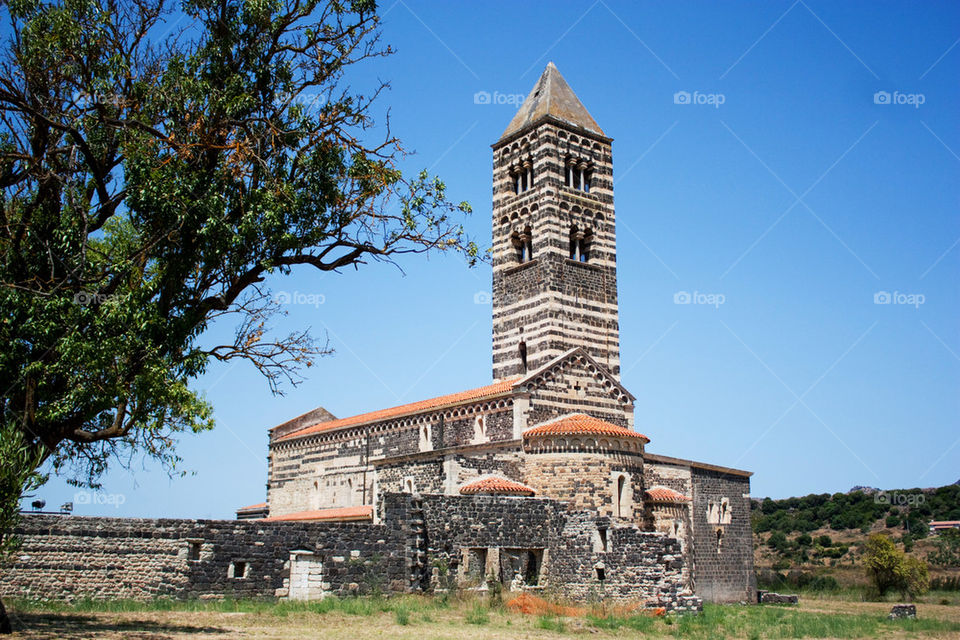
<point x="5" y="626"/>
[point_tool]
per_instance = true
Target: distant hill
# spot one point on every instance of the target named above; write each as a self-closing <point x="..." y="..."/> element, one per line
<point x="817" y="540"/>
<point x="908" y="509"/>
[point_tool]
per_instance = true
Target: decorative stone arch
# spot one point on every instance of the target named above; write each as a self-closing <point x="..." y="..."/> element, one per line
<point x="622" y="493"/>
<point x="425" y="432"/>
<point x="479" y="429"/>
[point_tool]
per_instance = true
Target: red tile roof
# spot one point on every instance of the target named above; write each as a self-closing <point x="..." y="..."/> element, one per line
<point x="496" y="485"/>
<point x="341" y="514"/>
<point x="663" y="494"/>
<point x="582" y="423"/>
<point x="495" y="389"/>
<point x="253" y="507"/>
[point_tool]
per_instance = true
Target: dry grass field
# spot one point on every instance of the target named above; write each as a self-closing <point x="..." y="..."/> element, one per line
<point x="422" y="618"/>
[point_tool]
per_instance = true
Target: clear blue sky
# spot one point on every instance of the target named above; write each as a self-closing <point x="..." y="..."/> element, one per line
<point x="797" y="199"/>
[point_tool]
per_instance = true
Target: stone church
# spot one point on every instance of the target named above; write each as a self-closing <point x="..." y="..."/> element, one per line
<point x="540" y="479"/>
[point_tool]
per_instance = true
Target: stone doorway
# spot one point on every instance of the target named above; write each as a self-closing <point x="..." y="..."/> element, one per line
<point x="306" y="576"/>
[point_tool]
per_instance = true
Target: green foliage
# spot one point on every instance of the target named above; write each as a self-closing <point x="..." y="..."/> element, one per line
<point x="824" y="541"/>
<point x="778" y="541"/>
<point x="858" y="511"/>
<point x="882" y="561"/>
<point x="804" y="540"/>
<point x="945" y="583"/>
<point x="889" y="568"/>
<point x="154" y="190"/>
<point x="947" y="549"/>
<point x="914" y="577"/>
<point x="402" y="616"/>
<point x="18" y="476"/>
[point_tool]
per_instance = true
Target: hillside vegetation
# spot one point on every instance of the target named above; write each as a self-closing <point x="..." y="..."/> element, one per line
<point x="817" y="541"/>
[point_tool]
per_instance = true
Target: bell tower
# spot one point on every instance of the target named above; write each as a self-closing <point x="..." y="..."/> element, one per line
<point x="554" y="241"/>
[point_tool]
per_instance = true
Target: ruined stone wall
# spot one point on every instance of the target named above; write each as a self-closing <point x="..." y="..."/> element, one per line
<point x="723" y="565"/>
<point x="673" y="519"/>
<point x="595" y="559"/>
<point x="497" y="531"/>
<point x="66" y="557"/>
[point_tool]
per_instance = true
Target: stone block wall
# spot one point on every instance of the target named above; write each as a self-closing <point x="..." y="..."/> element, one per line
<point x="66" y="557"/>
<point x="589" y="481"/>
<point x="499" y="530"/>
<point x="597" y="560"/>
<point x="722" y="562"/>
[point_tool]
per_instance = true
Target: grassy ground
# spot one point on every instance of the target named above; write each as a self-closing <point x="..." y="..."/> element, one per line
<point x="422" y="618"/>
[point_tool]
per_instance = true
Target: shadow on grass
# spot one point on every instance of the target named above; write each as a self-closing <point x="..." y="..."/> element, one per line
<point x="72" y="625"/>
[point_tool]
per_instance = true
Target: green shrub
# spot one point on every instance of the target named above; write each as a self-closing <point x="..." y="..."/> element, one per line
<point x="402" y="616"/>
<point x="778" y="541"/>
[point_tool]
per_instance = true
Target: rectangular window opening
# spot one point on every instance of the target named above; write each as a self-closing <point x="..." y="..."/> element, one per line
<point x="238" y="569"/>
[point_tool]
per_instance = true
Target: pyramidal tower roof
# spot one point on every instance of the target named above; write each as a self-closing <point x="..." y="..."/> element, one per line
<point x="552" y="97"/>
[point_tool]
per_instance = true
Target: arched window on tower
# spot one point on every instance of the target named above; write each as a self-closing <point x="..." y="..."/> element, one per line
<point x="517" y="244"/>
<point x="621" y="495"/>
<point x="526" y="239"/>
<point x="580" y="244"/>
<point x="577" y="174"/>
<point x="523" y="356"/>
